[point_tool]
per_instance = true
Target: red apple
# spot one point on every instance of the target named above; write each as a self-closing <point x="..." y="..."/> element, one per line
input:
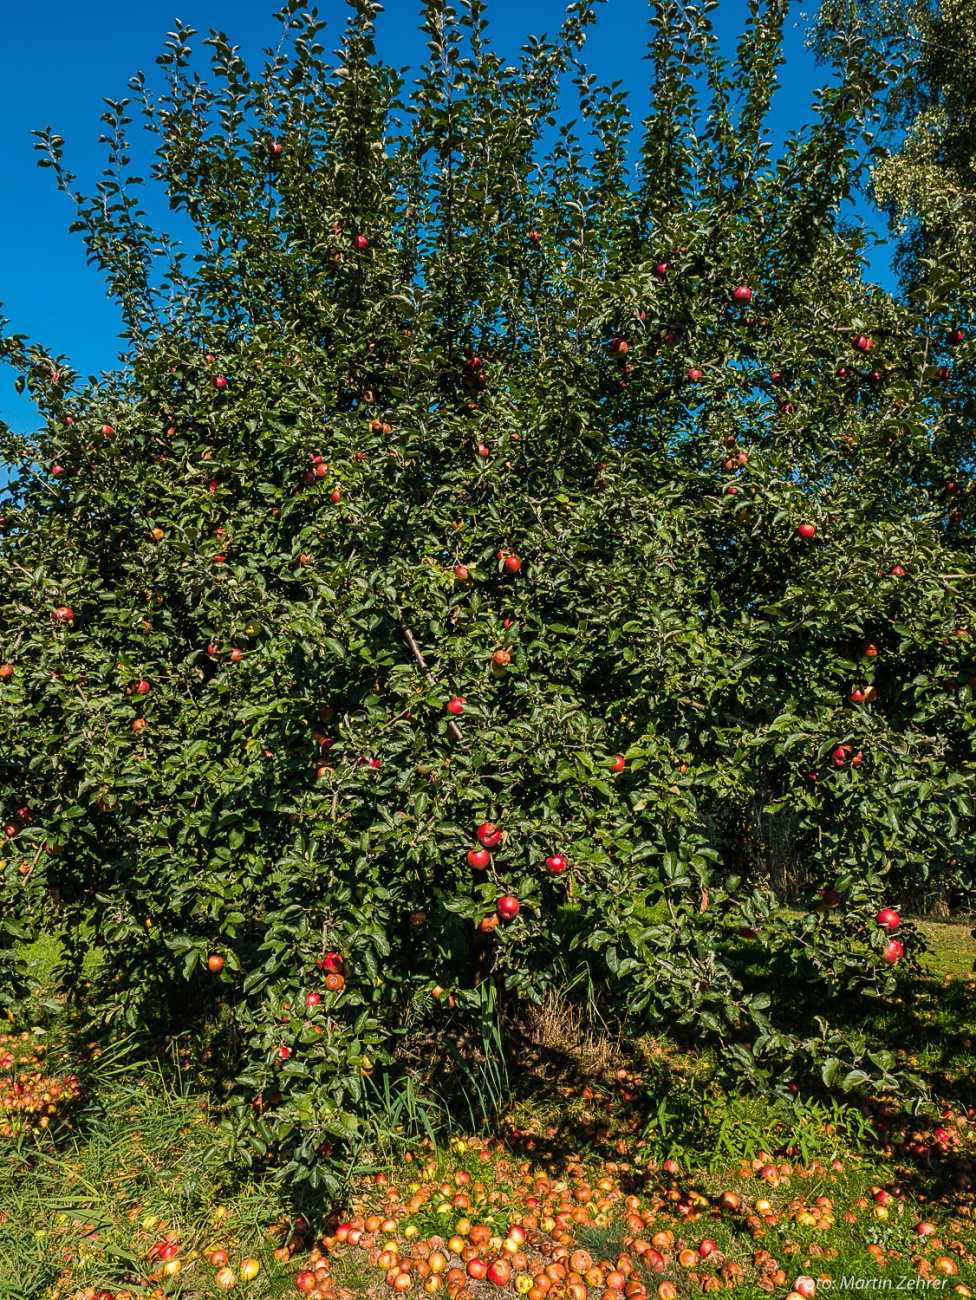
<point x="620" y="347"/>
<point x="305" y="1280"/>
<point x="215" y="963"/>
<point x="500" y="1272"/>
<point x="955" y="336"/>
<point x="220" y="382"/>
<point x="12" y="829"/>
<point x="805" y="1287"/>
<point x="862" y="343"/>
<point x="63" y="614"/>
<point x="456" y="705"/>
<point x="276" y="148"/>
<point x="943" y="373"/>
<point x="337" y="496"/>
<point x="513" y="563"/>
<point x="284" y="1053"/>
<point x="897" y="571"/>
<point x="840" y="755"/>
<point x="501" y="658"/>
<point x="236" y="655"/>
<point x="142" y="687"/>
<point x="332" y="962"/>
<point x="662" y="269"/>
<point x="888" y="919"/>
<point x="220" y="559"/>
<point x="313" y="999"/>
<point x="556" y="864"/>
<point x="461" y="572"/>
<point x="742" y="294"/>
<point x="482" y="450"/>
<point x="507" y="907"/>
<point x="869" y="649"/>
<point x="618" y="764"/>
<point x="474" y="363"/>
<point x="488" y="835"/>
<point x="360" y="243"/>
<point x="694" y="374"/>
<point x="477" y="1268"/>
<point x="856" y="697"/>
<point x="478" y="858"/>
<point x="892" y="951"/>
<point x="842" y="372"/>
<point x="732" y="491"/>
<point x="807" y="530"/>
<point x="534" y="236"/>
<point x="670" y="338"/>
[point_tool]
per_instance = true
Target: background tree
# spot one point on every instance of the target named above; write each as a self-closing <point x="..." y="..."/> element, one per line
<point x="925" y="181"/>
<point x="463" y="479"/>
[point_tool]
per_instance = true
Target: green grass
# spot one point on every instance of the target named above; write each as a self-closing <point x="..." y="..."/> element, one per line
<point x="952" y="947"/>
<point x="144" y="1158"/>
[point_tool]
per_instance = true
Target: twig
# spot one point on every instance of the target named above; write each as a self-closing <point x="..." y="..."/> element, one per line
<point x="453" y="729"/>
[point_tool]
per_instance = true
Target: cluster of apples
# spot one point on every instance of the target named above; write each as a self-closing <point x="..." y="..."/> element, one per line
<point x="169" y="1255"/>
<point x="889" y="920"/>
<point x="504" y="1222"/>
<point x="100" y="1293"/>
<point x="518" y="1232"/>
<point x="619" y="348"/>
<point x="31" y="1096"/>
<point x="479" y="858"/>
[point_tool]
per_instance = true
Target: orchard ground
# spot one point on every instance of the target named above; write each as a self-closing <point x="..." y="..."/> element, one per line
<point x="602" y="1168"/>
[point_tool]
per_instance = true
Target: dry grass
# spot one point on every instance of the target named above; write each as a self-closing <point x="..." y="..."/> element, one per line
<point x="558" y="1027"/>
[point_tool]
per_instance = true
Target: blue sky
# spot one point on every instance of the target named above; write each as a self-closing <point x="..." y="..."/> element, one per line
<point x="57" y="73"/>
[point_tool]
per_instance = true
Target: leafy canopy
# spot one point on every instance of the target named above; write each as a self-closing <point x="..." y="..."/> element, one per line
<point x="454" y="403"/>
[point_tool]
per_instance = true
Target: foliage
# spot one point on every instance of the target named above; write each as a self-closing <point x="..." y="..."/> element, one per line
<point x="377" y="446"/>
<point x="925" y="179"/>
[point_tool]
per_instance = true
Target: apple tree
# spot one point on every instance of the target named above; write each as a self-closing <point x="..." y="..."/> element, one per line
<point x="495" y="526"/>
